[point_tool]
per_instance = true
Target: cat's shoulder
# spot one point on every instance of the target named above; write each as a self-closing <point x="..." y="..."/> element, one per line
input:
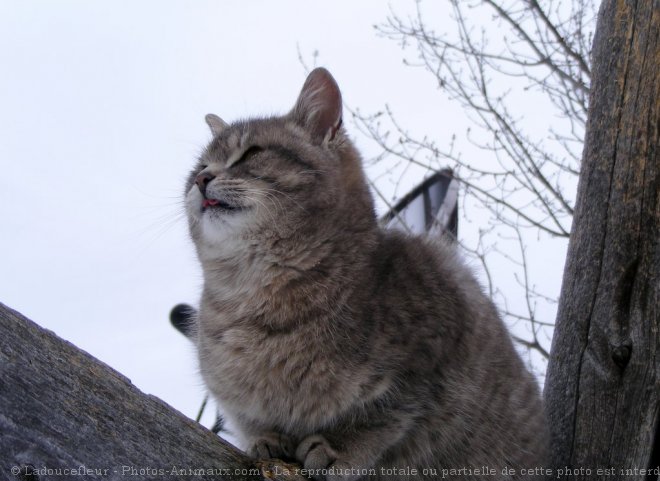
<point x="430" y="252"/>
<point x="429" y="261"/>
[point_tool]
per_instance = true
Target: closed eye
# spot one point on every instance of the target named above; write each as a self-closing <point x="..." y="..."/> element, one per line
<point x="249" y="153"/>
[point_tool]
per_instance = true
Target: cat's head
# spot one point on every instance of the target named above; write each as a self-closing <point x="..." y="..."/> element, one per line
<point x="280" y="180"/>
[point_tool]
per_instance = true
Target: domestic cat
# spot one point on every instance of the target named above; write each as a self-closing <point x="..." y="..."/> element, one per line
<point x="362" y="353"/>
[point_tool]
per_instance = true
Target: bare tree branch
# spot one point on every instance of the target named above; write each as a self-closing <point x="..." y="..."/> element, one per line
<point x="539" y="51"/>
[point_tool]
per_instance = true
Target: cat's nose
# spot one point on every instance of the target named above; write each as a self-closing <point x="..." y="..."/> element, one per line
<point x="202" y="180"/>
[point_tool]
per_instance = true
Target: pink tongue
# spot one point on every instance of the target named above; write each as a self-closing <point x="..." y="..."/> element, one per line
<point x="208" y="202"/>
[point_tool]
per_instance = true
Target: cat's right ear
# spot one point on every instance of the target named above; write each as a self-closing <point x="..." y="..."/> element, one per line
<point x="319" y="106"/>
<point x="215" y="123"/>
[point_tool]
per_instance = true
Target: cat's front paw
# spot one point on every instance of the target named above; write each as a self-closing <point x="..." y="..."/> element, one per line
<point x="272" y="445"/>
<point x="322" y="461"/>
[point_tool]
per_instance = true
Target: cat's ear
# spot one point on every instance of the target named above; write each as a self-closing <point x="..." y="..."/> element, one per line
<point x="318" y="108"/>
<point x="215" y="123"/>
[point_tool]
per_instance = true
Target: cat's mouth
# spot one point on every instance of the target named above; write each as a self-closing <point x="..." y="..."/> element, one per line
<point x="219" y="205"/>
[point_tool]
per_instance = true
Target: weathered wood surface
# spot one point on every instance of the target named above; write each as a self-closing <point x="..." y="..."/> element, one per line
<point x="603" y="383"/>
<point x="61" y="409"/>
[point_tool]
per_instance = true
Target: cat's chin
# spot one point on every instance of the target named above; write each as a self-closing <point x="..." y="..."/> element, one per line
<point x="222" y="209"/>
<point x="224" y="219"/>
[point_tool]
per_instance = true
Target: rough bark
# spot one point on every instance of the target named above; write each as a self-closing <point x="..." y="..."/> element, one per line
<point x="61" y="409"/>
<point x="603" y="383"/>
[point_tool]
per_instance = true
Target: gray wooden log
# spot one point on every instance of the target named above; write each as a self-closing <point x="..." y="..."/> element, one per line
<point x="61" y="409"/>
<point x="603" y="383"/>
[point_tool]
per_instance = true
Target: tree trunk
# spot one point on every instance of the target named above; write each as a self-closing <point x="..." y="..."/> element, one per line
<point x="62" y="410"/>
<point x="603" y="385"/>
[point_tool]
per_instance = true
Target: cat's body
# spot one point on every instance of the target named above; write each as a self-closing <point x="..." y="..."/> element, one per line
<point x="329" y="340"/>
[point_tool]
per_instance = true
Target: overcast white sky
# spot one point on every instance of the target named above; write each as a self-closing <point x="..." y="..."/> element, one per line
<point x="101" y="117"/>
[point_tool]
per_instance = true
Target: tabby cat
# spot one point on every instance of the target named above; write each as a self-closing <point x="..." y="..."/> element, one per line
<point x="359" y="352"/>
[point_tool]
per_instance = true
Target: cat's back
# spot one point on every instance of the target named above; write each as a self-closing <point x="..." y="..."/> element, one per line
<point x="460" y="354"/>
<point x="426" y="280"/>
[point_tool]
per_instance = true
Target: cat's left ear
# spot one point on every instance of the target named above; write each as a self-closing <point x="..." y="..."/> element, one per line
<point x="215" y="123"/>
<point x="319" y="107"/>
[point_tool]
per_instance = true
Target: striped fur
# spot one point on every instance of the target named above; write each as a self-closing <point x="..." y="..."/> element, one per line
<point x="333" y="342"/>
